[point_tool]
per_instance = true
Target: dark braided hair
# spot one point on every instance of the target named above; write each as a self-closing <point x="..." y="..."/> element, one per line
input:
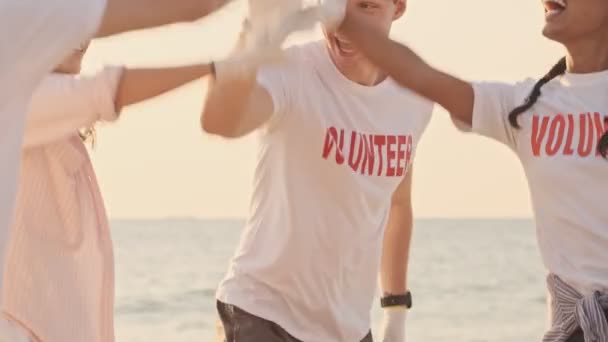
<point x="557" y="70"/>
<point x="602" y="146"/>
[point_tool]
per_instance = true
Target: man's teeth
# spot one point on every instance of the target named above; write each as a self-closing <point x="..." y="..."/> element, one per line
<point x="561" y="3"/>
<point x="345" y="46"/>
<point x="552" y="5"/>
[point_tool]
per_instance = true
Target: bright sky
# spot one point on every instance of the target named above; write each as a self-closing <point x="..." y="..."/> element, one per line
<point x="156" y="163"/>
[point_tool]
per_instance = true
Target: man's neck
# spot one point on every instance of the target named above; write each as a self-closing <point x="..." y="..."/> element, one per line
<point x="365" y="74"/>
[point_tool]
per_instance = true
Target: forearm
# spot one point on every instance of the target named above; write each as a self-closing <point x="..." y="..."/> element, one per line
<point x="128" y="15"/>
<point x="395" y="256"/>
<point x="409" y="70"/>
<point x="394" y="264"/>
<point x="138" y="85"/>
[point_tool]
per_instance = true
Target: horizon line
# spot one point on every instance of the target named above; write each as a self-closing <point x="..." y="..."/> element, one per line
<point x="235" y="218"/>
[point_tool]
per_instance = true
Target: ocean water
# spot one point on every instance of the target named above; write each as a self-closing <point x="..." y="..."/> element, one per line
<point x="472" y="280"/>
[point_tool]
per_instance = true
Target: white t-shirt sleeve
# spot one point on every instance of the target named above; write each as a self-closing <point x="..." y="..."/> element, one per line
<point x="493" y="103"/>
<point x="63" y="104"/>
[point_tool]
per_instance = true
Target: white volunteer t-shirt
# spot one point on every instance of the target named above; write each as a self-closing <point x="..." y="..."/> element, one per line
<point x="568" y="180"/>
<point x="34" y="36"/>
<point x="328" y="163"/>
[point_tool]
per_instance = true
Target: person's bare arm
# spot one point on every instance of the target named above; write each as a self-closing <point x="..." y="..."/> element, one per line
<point x="63" y="104"/>
<point x="395" y="258"/>
<point x="138" y="85"/>
<point x="409" y="70"/>
<point x="234" y="108"/>
<point x="236" y="104"/>
<point x="129" y="15"/>
<point x="397" y="239"/>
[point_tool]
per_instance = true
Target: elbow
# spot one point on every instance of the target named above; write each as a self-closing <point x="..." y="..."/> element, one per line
<point x="209" y="125"/>
<point x="206" y="125"/>
<point x="222" y="114"/>
<point x="212" y="125"/>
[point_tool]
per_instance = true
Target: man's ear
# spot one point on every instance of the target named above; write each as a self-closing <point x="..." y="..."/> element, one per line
<point x="400" y="7"/>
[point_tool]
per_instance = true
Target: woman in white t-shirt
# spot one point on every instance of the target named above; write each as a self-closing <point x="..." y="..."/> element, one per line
<point x="557" y="127"/>
<point x="331" y="206"/>
<point x="37" y="34"/>
<point x="59" y="267"/>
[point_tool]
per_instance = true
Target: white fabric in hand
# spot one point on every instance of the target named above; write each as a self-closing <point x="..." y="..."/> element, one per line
<point x="393" y="326"/>
<point x="333" y="13"/>
<point x="265" y="15"/>
<point x="269" y="24"/>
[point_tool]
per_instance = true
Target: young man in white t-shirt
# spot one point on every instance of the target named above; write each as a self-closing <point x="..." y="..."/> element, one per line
<point x="558" y="127"/>
<point x="331" y="206"/>
<point x="35" y="35"/>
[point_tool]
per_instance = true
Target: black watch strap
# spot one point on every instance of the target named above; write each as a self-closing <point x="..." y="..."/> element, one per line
<point x="391" y="300"/>
<point x="213" y="70"/>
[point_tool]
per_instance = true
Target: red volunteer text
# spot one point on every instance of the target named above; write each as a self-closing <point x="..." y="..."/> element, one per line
<point x="369" y="154"/>
<point x="552" y="135"/>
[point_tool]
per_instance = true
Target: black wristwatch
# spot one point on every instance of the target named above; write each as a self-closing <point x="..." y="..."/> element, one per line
<point x="212" y="69"/>
<point x="391" y="300"/>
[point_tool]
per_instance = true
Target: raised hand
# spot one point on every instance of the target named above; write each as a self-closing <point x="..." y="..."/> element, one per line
<point x="269" y="24"/>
